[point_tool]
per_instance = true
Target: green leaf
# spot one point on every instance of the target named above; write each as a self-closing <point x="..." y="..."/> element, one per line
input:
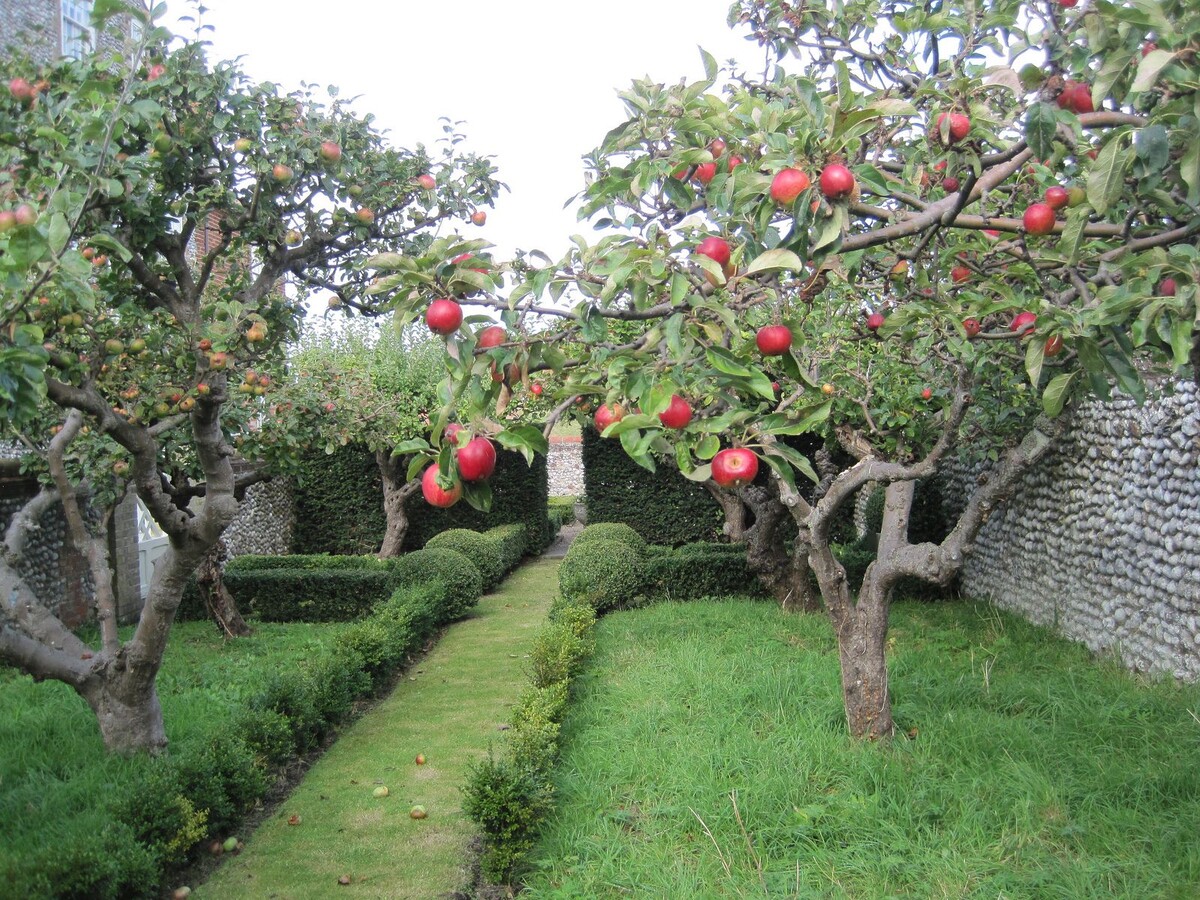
<point x="1041" y="123"/>
<point x="412" y="445"/>
<point x="1106" y="181"/>
<point x="775" y="261"/>
<point x="794" y="458"/>
<point x="1181" y="341"/>
<point x="1056" y="393"/>
<point x="708" y="447"/>
<point x="723" y="361"/>
<point x="1034" y="356"/>
<point x="1147" y="72"/>
<point x="1073" y="232"/>
<point x="1152" y="147"/>
<point x="59" y="233"/>
<point x="700" y="473"/>
<point x="478" y="494"/>
<point x="710" y="65"/>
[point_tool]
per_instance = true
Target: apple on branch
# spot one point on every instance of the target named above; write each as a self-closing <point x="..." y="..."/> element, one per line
<point x="734" y="467"/>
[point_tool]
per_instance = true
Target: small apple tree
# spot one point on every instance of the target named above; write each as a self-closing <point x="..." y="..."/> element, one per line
<point x="943" y="226"/>
<point x="149" y="212"/>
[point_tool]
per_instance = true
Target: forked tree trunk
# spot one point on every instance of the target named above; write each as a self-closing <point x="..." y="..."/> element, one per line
<point x="127" y="708"/>
<point x="786" y="576"/>
<point x="217" y="598"/>
<point x="396" y="491"/>
<point x="862" y="643"/>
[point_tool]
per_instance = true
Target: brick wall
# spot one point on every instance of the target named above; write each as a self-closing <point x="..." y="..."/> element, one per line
<point x="34" y="27"/>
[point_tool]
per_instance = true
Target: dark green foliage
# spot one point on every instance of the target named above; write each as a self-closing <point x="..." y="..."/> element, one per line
<point x="559" y="649"/>
<point x="506" y="799"/>
<point x="663" y="506"/>
<point x="339" y="503"/>
<point x="519" y="494"/>
<point x="700" y="570"/>
<point x="562" y="509"/>
<point x="253" y="563"/>
<point x="612" y="531"/>
<point x="92" y="858"/>
<point x="477" y="548"/>
<point x="855" y="558"/>
<point x="605" y="573"/>
<point x="457" y="573"/>
<point x="222" y="777"/>
<point x="309" y="595"/>
<point x="511" y="541"/>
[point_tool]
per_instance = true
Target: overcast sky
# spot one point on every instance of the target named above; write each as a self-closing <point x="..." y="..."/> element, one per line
<point x="534" y="80"/>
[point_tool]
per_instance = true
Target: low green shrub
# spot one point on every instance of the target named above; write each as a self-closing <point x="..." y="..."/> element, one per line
<point x="699" y="570"/>
<point x="605" y="573"/>
<point x="250" y="562"/>
<point x="309" y="595"/>
<point x="611" y="531"/>
<point x="461" y="577"/>
<point x="558" y="651"/>
<point x="476" y="547"/>
<point x="512" y="540"/>
<point x="508" y="801"/>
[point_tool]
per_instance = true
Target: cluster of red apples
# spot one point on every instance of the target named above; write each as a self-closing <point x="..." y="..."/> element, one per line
<point x="473" y="461"/>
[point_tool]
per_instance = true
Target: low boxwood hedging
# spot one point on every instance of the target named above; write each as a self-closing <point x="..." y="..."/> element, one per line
<point x="309" y="595"/>
<point x="478" y="548"/>
<point x="603" y="572"/>
<point x="202" y="791"/>
<point x="699" y="570"/>
<point x="459" y="576"/>
<point x="510" y="792"/>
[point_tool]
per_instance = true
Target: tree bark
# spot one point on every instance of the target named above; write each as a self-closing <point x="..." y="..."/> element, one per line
<point x="396" y="491"/>
<point x="786" y="576"/>
<point x="217" y="599"/>
<point x="733" y="509"/>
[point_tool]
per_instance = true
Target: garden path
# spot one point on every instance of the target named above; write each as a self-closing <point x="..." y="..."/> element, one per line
<point x="449" y="707"/>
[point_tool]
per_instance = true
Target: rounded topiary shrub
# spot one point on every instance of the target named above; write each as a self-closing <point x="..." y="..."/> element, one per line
<point x="460" y="576"/>
<point x="603" y="572"/>
<point x="612" y="531"/>
<point x="476" y="547"/>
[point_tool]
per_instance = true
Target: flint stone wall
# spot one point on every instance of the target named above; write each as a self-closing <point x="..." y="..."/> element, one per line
<point x="564" y="467"/>
<point x="1102" y="540"/>
<point x="265" y="520"/>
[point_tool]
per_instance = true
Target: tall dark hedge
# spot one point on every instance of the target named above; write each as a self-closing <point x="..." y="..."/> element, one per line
<point x="339" y="504"/>
<point x="664" y="507"/>
<point x="520" y="493"/>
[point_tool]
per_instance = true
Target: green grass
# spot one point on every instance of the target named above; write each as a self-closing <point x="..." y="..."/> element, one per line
<point x="706" y="756"/>
<point x="450" y="707"/>
<point x="54" y="773"/>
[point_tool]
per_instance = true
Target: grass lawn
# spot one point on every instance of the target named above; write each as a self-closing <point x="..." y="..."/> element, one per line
<point x="449" y="708"/>
<point x="706" y="756"/>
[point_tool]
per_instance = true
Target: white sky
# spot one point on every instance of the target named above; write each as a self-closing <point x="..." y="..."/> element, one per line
<point x="534" y="80"/>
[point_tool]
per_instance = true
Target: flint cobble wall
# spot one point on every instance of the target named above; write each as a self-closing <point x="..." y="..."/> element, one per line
<point x="1101" y="541"/>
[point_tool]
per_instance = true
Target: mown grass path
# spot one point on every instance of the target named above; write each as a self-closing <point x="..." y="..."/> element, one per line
<point x="449" y="707"/>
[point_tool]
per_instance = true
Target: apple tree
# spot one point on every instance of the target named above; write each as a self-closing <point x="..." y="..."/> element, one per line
<point x="150" y="211"/>
<point x="921" y="232"/>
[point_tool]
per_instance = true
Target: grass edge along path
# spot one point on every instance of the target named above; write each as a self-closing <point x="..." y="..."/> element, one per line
<point x="449" y="707"/>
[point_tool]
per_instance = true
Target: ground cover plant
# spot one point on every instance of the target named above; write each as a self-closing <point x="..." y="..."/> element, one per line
<point x="705" y="754"/>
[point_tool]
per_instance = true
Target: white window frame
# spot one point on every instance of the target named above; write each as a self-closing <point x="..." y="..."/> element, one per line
<point x="75" y="28"/>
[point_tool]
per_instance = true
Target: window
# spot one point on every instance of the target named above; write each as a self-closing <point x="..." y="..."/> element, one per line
<point x="78" y="36"/>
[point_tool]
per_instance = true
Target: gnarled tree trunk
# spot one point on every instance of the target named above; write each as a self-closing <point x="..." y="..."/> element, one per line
<point x="217" y="599"/>
<point x="785" y="575"/>
<point x="396" y="491"/>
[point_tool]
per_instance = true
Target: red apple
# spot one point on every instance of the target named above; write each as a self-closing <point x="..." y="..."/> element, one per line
<point x="331" y="151"/>
<point x="950" y="184"/>
<point x="1167" y="287"/>
<point x="450" y="433"/>
<point x="787" y="185"/>
<point x="435" y="494"/>
<point x="773" y="340"/>
<point x="715" y="248"/>
<point x="1054" y="346"/>
<point x="365" y="214"/>
<point x="677" y="414"/>
<point x="1038" y="219"/>
<point x="443" y="316"/>
<point x="734" y="467"/>
<point x="1057" y="197"/>
<point x="426" y="181"/>
<point x="971" y="326"/>
<point x="875" y="321"/>
<point x="1077" y="97"/>
<point x="959" y="274"/>
<point x="1023" y="322"/>
<point x="705" y="172"/>
<point x="734" y="161"/>
<point x="25" y="215"/>
<point x="477" y="460"/>
<point x="606" y="415"/>
<point x="21" y="90"/>
<point x="926" y="393"/>
<point x="837" y="181"/>
<point x="957" y="126"/>
<point x="479" y="217"/>
<point x="155" y="72"/>
<point x="281" y="173"/>
<point x="492" y="336"/>
<point x="716" y="147"/>
<point x="536" y="389"/>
